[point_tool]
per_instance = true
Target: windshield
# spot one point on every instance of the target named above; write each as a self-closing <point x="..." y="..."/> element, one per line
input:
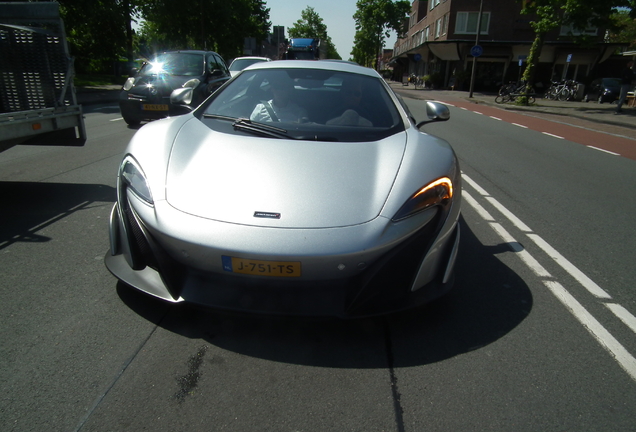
<point x="179" y="64"/>
<point x="240" y="64"/>
<point x="311" y="104"/>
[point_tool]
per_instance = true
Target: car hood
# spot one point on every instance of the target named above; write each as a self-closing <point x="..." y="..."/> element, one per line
<point x="280" y="183"/>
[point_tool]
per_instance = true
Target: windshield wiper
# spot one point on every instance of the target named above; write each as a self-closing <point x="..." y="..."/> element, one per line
<point x="261" y="129"/>
<point x="219" y="117"/>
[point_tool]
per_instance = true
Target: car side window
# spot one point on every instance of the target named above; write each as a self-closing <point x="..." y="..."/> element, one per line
<point x="216" y="62"/>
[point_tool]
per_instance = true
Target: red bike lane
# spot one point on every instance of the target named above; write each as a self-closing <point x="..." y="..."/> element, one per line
<point x="585" y="135"/>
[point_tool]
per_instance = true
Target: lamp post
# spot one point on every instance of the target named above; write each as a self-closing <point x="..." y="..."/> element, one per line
<point x="472" y="73"/>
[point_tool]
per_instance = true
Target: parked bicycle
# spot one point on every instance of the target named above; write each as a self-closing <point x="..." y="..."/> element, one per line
<point x="511" y="91"/>
<point x="561" y="90"/>
<point x="418" y="82"/>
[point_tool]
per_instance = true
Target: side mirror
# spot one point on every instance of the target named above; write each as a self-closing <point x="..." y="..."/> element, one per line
<point x="182" y="98"/>
<point x="216" y="73"/>
<point x="435" y="112"/>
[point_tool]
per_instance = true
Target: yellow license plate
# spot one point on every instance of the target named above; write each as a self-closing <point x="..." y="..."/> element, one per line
<point x="261" y="268"/>
<point x="155" y="107"/>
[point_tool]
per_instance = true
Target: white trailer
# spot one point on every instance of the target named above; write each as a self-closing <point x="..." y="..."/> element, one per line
<point x="38" y="105"/>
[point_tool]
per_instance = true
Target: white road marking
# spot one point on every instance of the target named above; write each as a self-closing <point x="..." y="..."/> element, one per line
<point x="552" y="135"/>
<point x="577" y="274"/>
<point x="603" y="150"/>
<point x="605" y="338"/>
<point x="496" y="118"/>
<point x="523" y="254"/>
<point x="117" y="119"/>
<point x="508" y="214"/>
<point x="477" y="207"/>
<point x="593" y="326"/>
<point x="520" y="125"/>
<point x="623" y="314"/>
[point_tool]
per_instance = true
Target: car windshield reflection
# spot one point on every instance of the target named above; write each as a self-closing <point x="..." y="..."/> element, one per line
<point x="178" y="64"/>
<point x="310" y="104"/>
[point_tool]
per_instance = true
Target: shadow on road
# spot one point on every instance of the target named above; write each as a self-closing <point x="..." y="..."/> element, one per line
<point x="488" y="301"/>
<point x="28" y="207"/>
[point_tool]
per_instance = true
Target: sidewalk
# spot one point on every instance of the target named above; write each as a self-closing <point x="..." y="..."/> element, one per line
<point x="589" y="111"/>
<point x="97" y="94"/>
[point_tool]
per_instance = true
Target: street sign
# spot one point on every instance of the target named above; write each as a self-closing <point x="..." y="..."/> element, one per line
<point x="476" y="51"/>
<point x="417" y="57"/>
<point x="569" y="58"/>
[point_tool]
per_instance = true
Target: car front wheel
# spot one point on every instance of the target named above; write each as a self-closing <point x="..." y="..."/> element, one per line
<point x="131" y="120"/>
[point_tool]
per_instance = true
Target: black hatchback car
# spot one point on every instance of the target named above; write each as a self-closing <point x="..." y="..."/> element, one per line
<point x="146" y="96"/>
<point x="604" y="90"/>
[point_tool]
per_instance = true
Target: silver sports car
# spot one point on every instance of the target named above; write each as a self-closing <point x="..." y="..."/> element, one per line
<point x="299" y="187"/>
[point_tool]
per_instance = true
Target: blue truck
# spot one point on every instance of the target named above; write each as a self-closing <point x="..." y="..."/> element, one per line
<point x="304" y="49"/>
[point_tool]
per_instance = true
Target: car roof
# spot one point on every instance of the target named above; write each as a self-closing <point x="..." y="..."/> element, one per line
<point x="317" y="64"/>
<point x="252" y="58"/>
<point x="186" y="52"/>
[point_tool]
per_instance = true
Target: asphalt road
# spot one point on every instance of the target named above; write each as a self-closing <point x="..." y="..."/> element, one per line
<point x="533" y="337"/>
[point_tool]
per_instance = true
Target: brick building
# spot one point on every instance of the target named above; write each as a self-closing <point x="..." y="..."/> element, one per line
<point x="441" y="34"/>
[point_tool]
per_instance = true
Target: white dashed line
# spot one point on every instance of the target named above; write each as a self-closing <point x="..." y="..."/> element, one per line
<point x="552" y="135"/>
<point x="604" y="151"/>
<point x="520" y="125"/>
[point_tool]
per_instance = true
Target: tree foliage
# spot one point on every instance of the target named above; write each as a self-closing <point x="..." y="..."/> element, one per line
<point x="204" y="24"/>
<point x="374" y="21"/>
<point x="578" y="14"/>
<point x="99" y="32"/>
<point x="625" y="29"/>
<point x="312" y="26"/>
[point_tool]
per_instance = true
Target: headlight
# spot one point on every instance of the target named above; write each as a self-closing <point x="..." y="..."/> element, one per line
<point x="131" y="175"/>
<point x="130" y="83"/>
<point x="435" y="193"/>
<point x="192" y="83"/>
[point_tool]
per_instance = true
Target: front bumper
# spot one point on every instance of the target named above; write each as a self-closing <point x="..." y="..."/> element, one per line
<point x="353" y="271"/>
<point x="146" y="107"/>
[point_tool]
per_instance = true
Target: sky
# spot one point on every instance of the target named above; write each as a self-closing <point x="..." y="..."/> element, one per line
<point x="337" y="15"/>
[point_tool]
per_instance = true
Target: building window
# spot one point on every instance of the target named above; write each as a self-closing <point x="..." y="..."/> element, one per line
<point x="567" y="30"/>
<point x="427" y="33"/>
<point x="433" y="3"/>
<point x="445" y="24"/>
<point x="467" y="22"/>
<point x="438" y="28"/>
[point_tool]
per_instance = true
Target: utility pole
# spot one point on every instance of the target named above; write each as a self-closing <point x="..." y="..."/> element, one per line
<point x="472" y="73"/>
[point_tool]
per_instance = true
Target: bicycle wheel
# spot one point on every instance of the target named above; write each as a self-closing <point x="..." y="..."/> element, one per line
<point x="565" y="94"/>
<point x="502" y="98"/>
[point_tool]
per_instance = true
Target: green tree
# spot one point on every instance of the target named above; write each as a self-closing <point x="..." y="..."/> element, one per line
<point x="99" y="32"/>
<point x="364" y="49"/>
<point x="625" y="29"/>
<point x="204" y="24"/>
<point x="312" y="26"/>
<point x="552" y="14"/>
<point x="374" y="21"/>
